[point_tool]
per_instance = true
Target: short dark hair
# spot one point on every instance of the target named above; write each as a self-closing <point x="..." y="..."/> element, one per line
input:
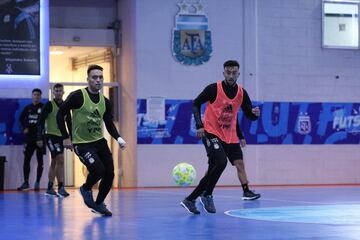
<point x="231" y="63"/>
<point x="36" y="90"/>
<point x="92" y="67"/>
<point x="58" y="85"/>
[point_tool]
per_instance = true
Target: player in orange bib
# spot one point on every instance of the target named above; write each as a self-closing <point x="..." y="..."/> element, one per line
<point x="220" y="134"/>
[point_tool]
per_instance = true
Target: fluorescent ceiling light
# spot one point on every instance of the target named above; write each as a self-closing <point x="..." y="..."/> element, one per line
<point x="56" y="52"/>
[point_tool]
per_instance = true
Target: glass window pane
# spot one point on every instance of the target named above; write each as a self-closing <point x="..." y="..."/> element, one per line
<point x="340" y="25"/>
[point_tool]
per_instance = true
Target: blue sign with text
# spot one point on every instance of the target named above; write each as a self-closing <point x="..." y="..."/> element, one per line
<point x="279" y="123"/>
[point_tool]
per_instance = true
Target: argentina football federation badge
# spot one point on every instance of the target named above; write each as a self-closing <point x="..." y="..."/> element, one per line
<point x="191" y="43"/>
<point x="304" y="124"/>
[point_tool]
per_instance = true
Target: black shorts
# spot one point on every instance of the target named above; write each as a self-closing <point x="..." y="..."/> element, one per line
<point x="94" y="154"/>
<point x="232" y="150"/>
<point x="55" y="145"/>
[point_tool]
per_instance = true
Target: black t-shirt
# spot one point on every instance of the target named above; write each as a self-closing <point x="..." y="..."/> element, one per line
<point x="209" y="95"/>
<point x="74" y="101"/>
<point x="29" y="118"/>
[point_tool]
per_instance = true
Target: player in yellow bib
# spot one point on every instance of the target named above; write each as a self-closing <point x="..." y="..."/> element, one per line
<point x="54" y="141"/>
<point x="89" y="109"/>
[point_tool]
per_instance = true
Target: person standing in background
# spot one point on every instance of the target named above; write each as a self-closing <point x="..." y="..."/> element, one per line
<point x="54" y="140"/>
<point x="28" y="122"/>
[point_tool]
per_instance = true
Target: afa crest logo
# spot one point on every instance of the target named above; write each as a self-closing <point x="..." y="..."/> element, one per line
<point x="303" y="124"/>
<point x="191" y="36"/>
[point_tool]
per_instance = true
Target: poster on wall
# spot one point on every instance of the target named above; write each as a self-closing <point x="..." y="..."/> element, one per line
<point x="19" y="37"/>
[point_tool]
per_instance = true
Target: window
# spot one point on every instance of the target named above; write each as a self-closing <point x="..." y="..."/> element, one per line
<point x="340" y="24"/>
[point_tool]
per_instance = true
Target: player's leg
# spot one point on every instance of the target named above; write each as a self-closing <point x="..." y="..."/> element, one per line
<point x="60" y="171"/>
<point x="189" y="203"/>
<point x="107" y="180"/>
<point x="219" y="160"/>
<point x="217" y="163"/>
<point x="51" y="175"/>
<point x="58" y="153"/>
<point x="235" y="155"/>
<point x="40" y="166"/>
<point x="88" y="156"/>
<point x="29" y="149"/>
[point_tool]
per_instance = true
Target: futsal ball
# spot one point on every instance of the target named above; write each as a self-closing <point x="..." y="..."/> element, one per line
<point x="184" y="174"/>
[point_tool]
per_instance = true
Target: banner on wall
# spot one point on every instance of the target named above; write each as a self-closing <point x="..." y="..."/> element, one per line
<point x="191" y="43"/>
<point x="10" y="131"/>
<point x="279" y="123"/>
<point x="20" y="37"/>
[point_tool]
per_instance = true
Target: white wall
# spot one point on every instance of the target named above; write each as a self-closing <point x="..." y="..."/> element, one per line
<point x="292" y="66"/>
<point x="158" y="74"/>
<point x="278" y="44"/>
<point x="82" y="13"/>
<point x="14" y="176"/>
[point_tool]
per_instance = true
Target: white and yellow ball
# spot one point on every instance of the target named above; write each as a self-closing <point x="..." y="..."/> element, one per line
<point x="184" y="174"/>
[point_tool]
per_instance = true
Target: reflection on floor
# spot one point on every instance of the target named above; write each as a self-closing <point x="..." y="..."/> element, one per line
<point x="281" y="213"/>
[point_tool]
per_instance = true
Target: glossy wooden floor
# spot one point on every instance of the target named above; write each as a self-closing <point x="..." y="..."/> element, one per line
<point x="281" y="213"/>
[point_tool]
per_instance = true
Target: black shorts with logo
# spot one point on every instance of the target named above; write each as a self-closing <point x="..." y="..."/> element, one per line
<point x="95" y="156"/>
<point x="232" y="150"/>
<point x="55" y="145"/>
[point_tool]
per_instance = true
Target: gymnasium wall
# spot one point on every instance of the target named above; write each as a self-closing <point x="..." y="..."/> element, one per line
<point x="278" y="44"/>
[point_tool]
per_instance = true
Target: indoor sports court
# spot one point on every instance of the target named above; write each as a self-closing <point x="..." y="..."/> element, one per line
<point x="327" y="212"/>
<point x="179" y="119"/>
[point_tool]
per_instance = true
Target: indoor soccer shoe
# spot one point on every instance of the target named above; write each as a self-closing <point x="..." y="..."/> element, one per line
<point x="37" y="186"/>
<point x="62" y="192"/>
<point x="208" y="203"/>
<point x="190" y="206"/>
<point x="101" y="209"/>
<point x="87" y="197"/>
<point x="23" y="187"/>
<point x="51" y="192"/>
<point x="250" y="195"/>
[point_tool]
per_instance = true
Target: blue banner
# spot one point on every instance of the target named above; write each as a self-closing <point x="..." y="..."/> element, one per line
<point x="279" y="123"/>
<point x="10" y="132"/>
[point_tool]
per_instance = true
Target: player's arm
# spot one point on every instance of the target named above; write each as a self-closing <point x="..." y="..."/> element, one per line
<point x="22" y="119"/>
<point x="109" y="124"/>
<point x="73" y="101"/>
<point x="250" y="112"/>
<point x="240" y="134"/>
<point x="207" y="95"/>
<point x="69" y="123"/>
<point x="40" y="131"/>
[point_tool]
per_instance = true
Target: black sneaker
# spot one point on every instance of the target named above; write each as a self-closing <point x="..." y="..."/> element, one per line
<point x="37" y="186"/>
<point x="51" y="192"/>
<point x="101" y="209"/>
<point x="24" y="186"/>
<point x="250" y="195"/>
<point x="208" y="203"/>
<point x="62" y="192"/>
<point x="190" y="206"/>
<point x="87" y="197"/>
